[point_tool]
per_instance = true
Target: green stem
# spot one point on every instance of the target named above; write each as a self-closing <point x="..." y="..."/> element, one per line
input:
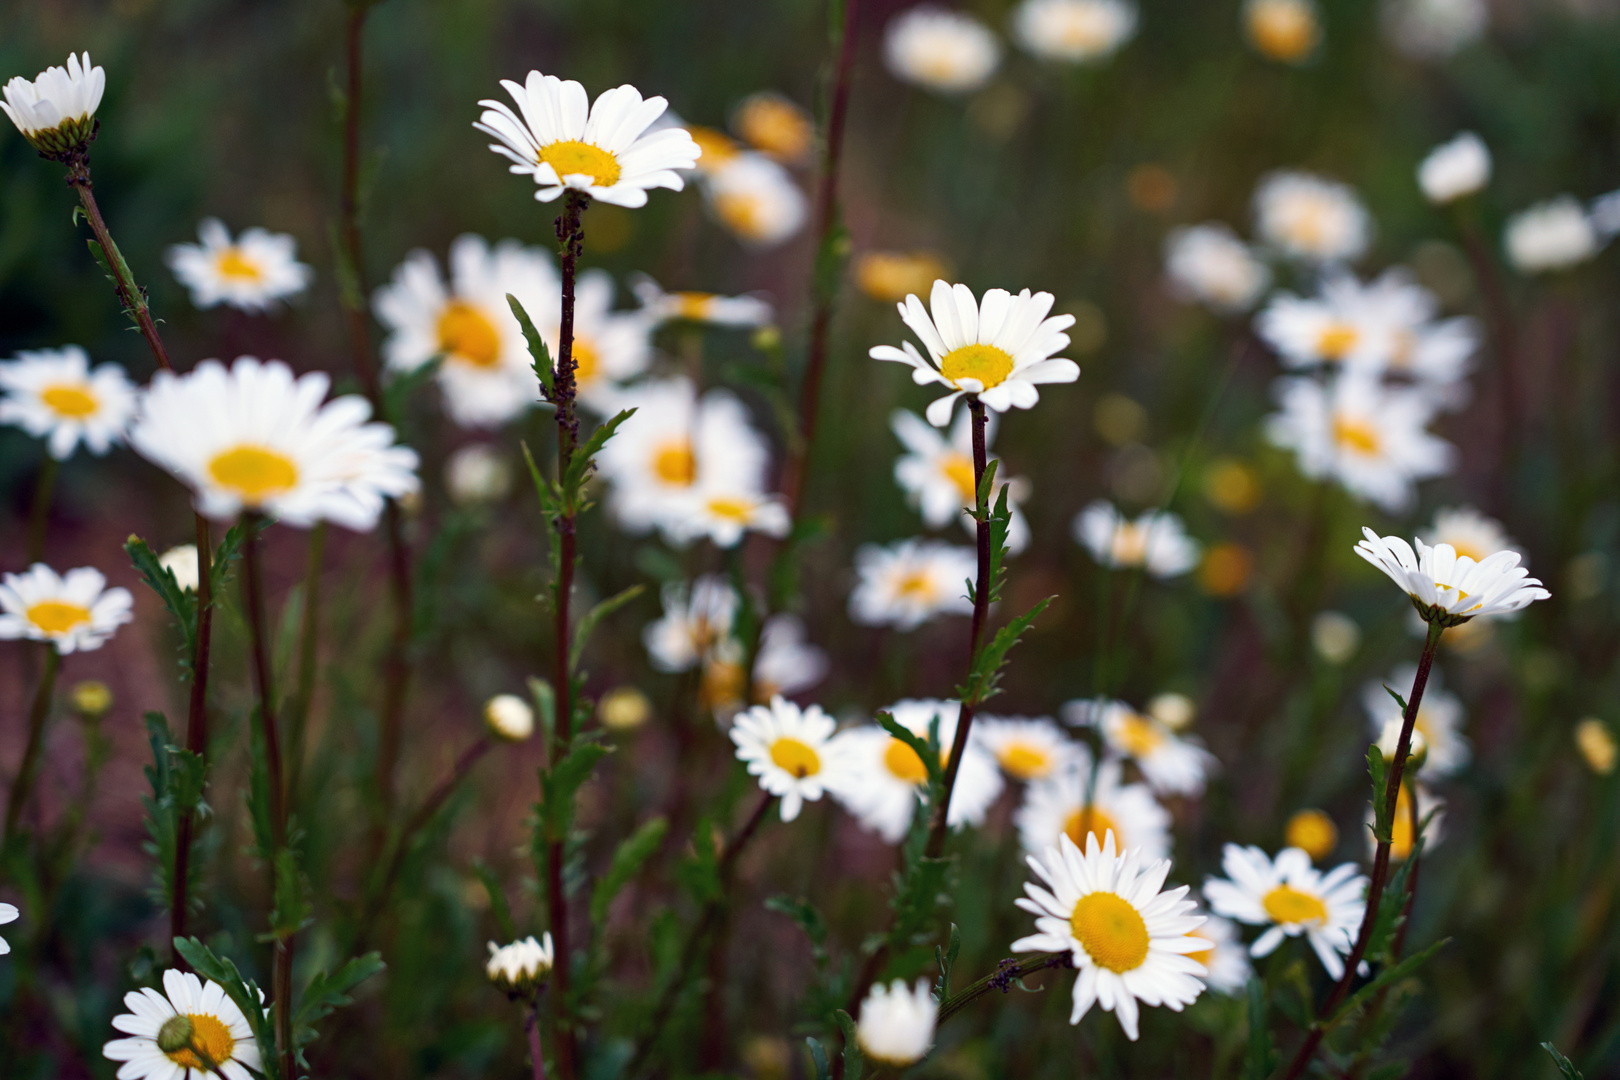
<point x="309" y="638"/>
<point x="39" y="514"/>
<point x="28" y="771"/>
<point x="1007" y="972"/>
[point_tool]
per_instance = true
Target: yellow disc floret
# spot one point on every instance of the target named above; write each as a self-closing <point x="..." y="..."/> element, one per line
<point x="1286" y="904"/>
<point x="466" y="334"/>
<point x="1111" y="931"/>
<point x="986" y="363"/>
<point x="56" y="616"/>
<point x="256" y="473"/>
<point x="796" y="757"/>
<point x="571" y="157"/>
<point x="73" y="401"/>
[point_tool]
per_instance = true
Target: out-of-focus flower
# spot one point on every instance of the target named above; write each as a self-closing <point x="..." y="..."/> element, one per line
<point x="695" y="620"/>
<point x="718" y="148"/>
<point x="253" y="272"/>
<point x="624" y="708"/>
<point x="1370" y="437"/>
<point x="1456" y="168"/>
<point x="477" y="473"/>
<point x="91" y="698"/>
<point x="1128" y="939"/>
<point x="1058" y="806"/>
<point x="253" y="437"/>
<point x="606" y="150"/>
<point x="937" y="474"/>
<point x="54" y="395"/>
<point x="56" y="112"/>
<point x="610" y="347"/>
<point x="1434" y="29"/>
<point x="1225" y="959"/>
<point x="1552" y="235"/>
<point x="1156" y="541"/>
<point x="1596" y="744"/>
<point x="1335" y="636"/>
<point x="1310" y="218"/>
<point x="894" y="275"/>
<point x="182" y="562"/>
<point x="700" y="307"/>
<point x="1074" y="30"/>
<point x="1285" y="30"/>
<point x="1225" y="570"/>
<point x="896" y="1027"/>
<point x="1026" y="749"/>
<point x="1174" y="711"/>
<point x="1170" y="763"/>
<point x="722" y="509"/>
<point x="1208" y="264"/>
<point x="169" y="1034"/>
<point x="8" y="914"/>
<point x="787" y="663"/>
<point x="1232" y="486"/>
<point x="795" y="753"/>
<point x="757" y="200"/>
<point x="520" y="968"/>
<point x="940" y="50"/>
<point x="1290" y="897"/>
<point x="509" y="717"/>
<point x="75" y="612"/>
<point x="1430" y="808"/>
<point x="776" y="125"/>
<point x="1439" y="719"/>
<point x="1469" y="532"/>
<point x="1313" y="832"/>
<point x="907" y="583"/>
<point x="1449" y="588"/>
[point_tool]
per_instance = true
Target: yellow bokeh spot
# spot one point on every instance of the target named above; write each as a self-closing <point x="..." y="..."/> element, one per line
<point x="210" y="1035"/>
<point x="1313" y="832"/>
<point x="1232" y="486"/>
<point x="1111" y="930"/>
<point x="674" y="463"/>
<point x="254" y="472"/>
<point x="571" y="157"/>
<point x="467" y="335"/>
<point x="1025" y="761"/>
<point x="1226" y="570"/>
<point x="796" y="757"/>
<point x="1400" y="831"/>
<point x="70" y="400"/>
<point x="723" y="684"/>
<point x="1336" y="341"/>
<point x="1286" y="904"/>
<point x="1596" y="744"/>
<point x="1092" y="821"/>
<point x="1284" y="30"/>
<point x="1356" y="436"/>
<point x="777" y="126"/>
<point x="1138" y="736"/>
<point x="894" y="275"/>
<point x="238" y="267"/>
<point x="958" y="468"/>
<point x="56" y="616"/>
<point x="986" y="363"/>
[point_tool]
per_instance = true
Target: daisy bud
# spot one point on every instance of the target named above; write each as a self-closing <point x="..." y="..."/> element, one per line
<point x="1456" y="168"/>
<point x="91" y="698"/>
<point x="520" y="968"/>
<point x="175" y="1034"/>
<point x="56" y="112"/>
<point x="1174" y="711"/>
<point x="897" y="1023"/>
<point x="509" y="717"/>
<point x="1417" y="750"/>
<point x="1552" y="235"/>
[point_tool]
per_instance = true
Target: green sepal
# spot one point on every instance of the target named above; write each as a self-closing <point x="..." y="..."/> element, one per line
<point x="588" y="624"/>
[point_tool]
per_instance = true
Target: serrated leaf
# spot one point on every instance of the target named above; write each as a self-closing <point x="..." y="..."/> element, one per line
<point x="1565" y="1066"/>
<point x="181" y="604"/>
<point x="927" y="754"/>
<point x="543" y="488"/>
<point x="819" y="1056"/>
<point x="327" y="993"/>
<point x="1385" y="978"/>
<point x="559" y="784"/>
<point x="946" y="959"/>
<point x="632" y="853"/>
<point x="587" y="625"/>
<point x="853" y="1065"/>
<point x="584" y="459"/>
<point x="1379" y="774"/>
<point x="544" y="369"/>
<point x="807" y="918"/>
<point x="292" y="911"/>
<point x="1398" y="699"/>
<point x="984" y="677"/>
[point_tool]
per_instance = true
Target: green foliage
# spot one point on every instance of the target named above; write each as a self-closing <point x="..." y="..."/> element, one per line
<point x="818" y="1055"/>
<point x="984" y="678"/>
<point x="181" y="603"/>
<point x="1384" y="978"/>
<point x="1262" y="1056"/>
<point x="853" y="1065"/>
<point x="245" y="993"/>
<point x="587" y="625"/>
<point x="1379" y="774"/>
<point x="1565" y="1067"/>
<point x="628" y="859"/>
<point x="498" y="907"/>
<point x="543" y="367"/>
<point x="560" y="783"/>
<point x="808" y="919"/>
<point x="327" y="993"/>
<point x="292" y="911"/>
<point x="946" y="959"/>
<point x="177" y="777"/>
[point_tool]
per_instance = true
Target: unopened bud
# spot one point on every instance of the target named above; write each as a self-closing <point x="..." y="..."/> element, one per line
<point x="509" y="717"/>
<point x="175" y="1034"/>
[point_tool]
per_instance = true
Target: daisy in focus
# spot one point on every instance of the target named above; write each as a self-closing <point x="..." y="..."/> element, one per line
<point x="1027" y="749"/>
<point x="794" y="752"/>
<point x="520" y="968"/>
<point x="1156" y="541"/>
<point x="1439" y="719"/>
<point x="1128" y="940"/>
<point x="1210" y="265"/>
<point x="940" y="50"/>
<point x="1171" y="763"/>
<point x="1074" y="30"/>
<point x="1226" y="961"/>
<point x="253" y="437"/>
<point x="1058" y="806"/>
<point x="75" y="612"/>
<point x="1448" y="588"/>
<point x="998" y="350"/>
<point x="1312" y="219"/>
<point x="8" y="914"/>
<point x="1554" y="235"/>
<point x="56" y="112"/>
<point x="54" y="394"/>
<point x="252" y="273"/>
<point x="897" y="1022"/>
<point x="757" y="200"/>
<point x="937" y="474"/>
<point x="1285" y="30"/>
<point x="709" y="309"/>
<point x="603" y="149"/>
<point x="172" y="1033"/>
<point x="907" y="583"/>
<point x="1290" y="897"/>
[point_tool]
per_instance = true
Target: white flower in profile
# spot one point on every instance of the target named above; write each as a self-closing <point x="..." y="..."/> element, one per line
<point x="1128" y="940"/>
<point x="75" y="612"/>
<point x="520" y="967"/>
<point x="1434" y="29"/>
<point x="8" y="914"/>
<point x="1026" y="749"/>
<point x="1171" y="763"/>
<point x="999" y="350"/>
<point x="182" y="562"/>
<point x="509" y="718"/>
<point x="700" y="307"/>
<point x="896" y="1027"/>
<point x="171" y="1033"/>
<point x="757" y="200"/>
<point x="1439" y="719"/>
<point x="1449" y="588"/>
<point x="887" y="778"/>
<point x="695" y="620"/>
<point x="603" y="149"/>
<point x="1469" y="532"/>
<point x="937" y="475"/>
<point x="1552" y="235"/>
<point x="54" y="394"/>
<point x="1156" y="541"/>
<point x="940" y="50"/>
<point x="794" y="752"/>
<point x="477" y="473"/>
<point x="1458" y="167"/>
<point x="56" y="111"/>
<point x="1208" y="264"/>
<point x="1070" y="803"/>
<point x="252" y="437"/>
<point x="909" y="582"/>
<point x="1310" y="218"/>
<point x="1290" y="897"/>
<point x="1225" y="959"/>
<point x="253" y="272"/>
<point x="1370" y="437"/>
<point x="1074" y="30"/>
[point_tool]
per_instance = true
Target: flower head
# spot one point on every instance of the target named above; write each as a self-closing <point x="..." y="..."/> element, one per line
<point x="776" y="125"/>
<point x="75" y="612"/>
<point x="1074" y="30"/>
<point x="8" y="914"/>
<point x="907" y="583"/>
<point x="170" y="1034"/>
<point x="53" y="394"/>
<point x="520" y="968"/>
<point x="252" y="272"/>
<point x="795" y="752"/>
<point x="940" y="50"/>
<point x="1448" y="588"/>
<point x="1070" y="803"/>
<point x="1225" y="960"/>
<point x="1310" y="218"/>
<point x="757" y="200"/>
<point x="1552" y="235"/>
<point x="710" y="309"/>
<point x="56" y="112"/>
<point x="1171" y="763"/>
<point x="1290" y="897"/>
<point x="182" y="562"/>
<point x="1455" y="168"/>
<point x="695" y="620"/>
<point x="1027" y="749"/>
<point x="1434" y="29"/>
<point x="937" y="474"/>
<point x="477" y="473"/>
<point x="1156" y="541"/>
<point x="509" y="717"/>
<point x="896" y="1027"/>
<point x="1209" y="264"/>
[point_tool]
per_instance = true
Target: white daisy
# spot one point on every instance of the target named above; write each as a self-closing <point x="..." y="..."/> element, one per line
<point x="795" y="753"/>
<point x="604" y="149"/>
<point x="1310" y="218"/>
<point x="787" y="663"/>
<point x="1434" y="29"/>
<point x="1469" y="532"/>
<point x="909" y="582"/>
<point x="1171" y="764"/>
<point x="1439" y="718"/>
<point x="1129" y="941"/>
<point x="1290" y="897"/>
<point x="700" y="307"/>
<point x="999" y="350"/>
<point x="940" y="50"/>
<point x="252" y="272"/>
<point x="1058" y="807"/>
<point x="75" y="612"/>
<point x="776" y="125"/>
<point x="1430" y="809"/>
<point x="1458" y="167"/>
<point x="887" y="778"/>
<point x="695" y="620"/>
<point x="896" y="1027"/>
<point x="721" y="508"/>
<point x="53" y="394"/>
<point x="8" y="914"/>
<point x="56" y="111"/>
<point x="1210" y="265"/>
<point x="1225" y="960"/>
<point x="1156" y="541"/>
<point x="937" y="474"/>
<point x="757" y="200"/>
<point x="254" y="437"/>
<point x="477" y="473"/>
<point x="168" y="1030"/>
<point x="1026" y="749"/>
<point x="1074" y="30"/>
<point x="1368" y="436"/>
<point x="1285" y="30"/>
<point x="520" y="967"/>
<point x="1448" y="587"/>
<point x="1552" y="235"/>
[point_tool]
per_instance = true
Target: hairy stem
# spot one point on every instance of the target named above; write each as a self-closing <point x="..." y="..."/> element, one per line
<point x="1008" y="972"/>
<point x="196" y="733"/>
<point x="39" y="513"/>
<point x="131" y="295"/>
<point x="28" y="771"/>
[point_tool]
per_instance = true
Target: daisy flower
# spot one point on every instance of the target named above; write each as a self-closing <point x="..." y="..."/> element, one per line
<point x="1430" y="808"/>
<point x="1058" y="807"/>
<point x="937" y="474"/>
<point x="8" y="914"/>
<point x="1439" y="719"/>
<point x="75" y="612"/>
<point x="252" y="437"/>
<point x="604" y="149"/>
<point x="787" y="663"/>
<point x="167" y="1030"/>
<point x="1368" y="436"/>
<point x="1128" y="940"/>
<point x="907" y="583"/>
<point x="1210" y="265"/>
<point x="56" y="111"/>
<point x="1285" y="30"/>
<point x="795" y="753"/>
<point x="1434" y="29"/>
<point x="477" y="473"/>
<point x="509" y="718"/>
<point x="252" y="272"/>
<point x="887" y="778"/>
<point x="53" y="394"/>
<point x="999" y="350"/>
<point x="756" y="200"/>
<point x="182" y="562"/>
<point x="940" y="50"/>
<point x="1458" y="167"/>
<point x="896" y="1027"/>
<point x="1553" y="235"/>
<point x="775" y="125"/>
<point x="724" y="507"/>
<point x="520" y="967"/>
<point x="891" y="276"/>
<point x="1469" y="532"/>
<point x="1171" y="764"/>
<point x="700" y="307"/>
<point x="1310" y="218"/>
<point x="1225" y="960"/>
<point x="1290" y="897"/>
<point x="1026" y="749"/>
<point x="718" y="148"/>
<point x="1448" y="587"/>
<point x="1156" y="541"/>
<point x="695" y="620"/>
<point x="1074" y="30"/>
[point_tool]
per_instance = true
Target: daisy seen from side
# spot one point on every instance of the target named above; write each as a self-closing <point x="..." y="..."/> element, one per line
<point x="896" y="1026"/>
<point x="1290" y="897"/>
<point x="696" y="618"/>
<point x="710" y="309"/>
<point x="74" y="612"/>
<point x="1448" y="588"/>
<point x="253" y="272"/>
<point x="907" y="583"/>
<point x="56" y="111"/>
<point x="795" y="753"/>
<point x="55" y="395"/>
<point x="1208" y="264"/>
<point x="1074" y="30"/>
<point x="1310" y="218"/>
<point x="940" y="50"/>
<point x="8" y="914"/>
<point x="522" y="966"/>
<point x="170" y="1033"/>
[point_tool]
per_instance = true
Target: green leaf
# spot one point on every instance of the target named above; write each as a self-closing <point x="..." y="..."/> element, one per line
<point x="548" y="494"/>
<point x="807" y="918"/>
<point x="831" y="258"/>
<point x="1380" y="780"/>
<point x="819" y="1056"/>
<point x="927" y="751"/>
<point x="1385" y="978"/>
<point x="292" y="911"/>
<point x="543" y="366"/>
<point x="1398" y="699"/>
<point x="587" y="625"/>
<point x="632" y="853"/>
<point x="227" y="553"/>
<point x="987" y="486"/>
<point x="584" y="459"/>
<point x="1262" y="1057"/>
<point x="182" y="605"/>
<point x="559" y="784"/>
<point x="946" y="959"/>
<point x="545" y="702"/>
<point x="853" y="1065"/>
<point x="984" y="677"/>
<point x="243" y="992"/>
<point x="1564" y="1064"/>
<point x="498" y="906"/>
<point x="917" y="899"/>
<point x="327" y="993"/>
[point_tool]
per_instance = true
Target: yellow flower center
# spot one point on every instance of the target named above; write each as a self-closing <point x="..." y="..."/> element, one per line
<point x="731" y="509"/>
<point x="1283" y="29"/>
<point x="466" y="334"/>
<point x="571" y="157"/>
<point x="674" y="463"/>
<point x="234" y="265"/>
<point x="958" y="468"/>
<point x="1111" y="930"/>
<point x="695" y="306"/>
<point x="986" y="363"/>
<point x="1286" y="904"/>
<point x="917" y="585"/>
<point x="796" y="757"/>
<point x="1313" y="832"/>
<point x="71" y="400"/>
<point x="57" y="617"/>
<point x="210" y="1035"/>
<point x="775" y="126"/>
<point x="1130" y="544"/>
<point x="1336" y="341"/>
<point x="1083" y="30"/>
<point x="253" y="472"/>
<point x="717" y="147"/>
<point x="1139" y="736"/>
<point x="743" y="213"/>
<point x="1025" y="760"/>
<point x="1467" y="551"/>
<point x="1092" y="821"/>
<point x="1401" y="828"/>
<point x="903" y="762"/>
<point x="1356" y="436"/>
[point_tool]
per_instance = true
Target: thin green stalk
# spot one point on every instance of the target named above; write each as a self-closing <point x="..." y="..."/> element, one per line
<point x="308" y="641"/>
<point x="39" y="514"/>
<point x="28" y="771"/>
<point x="196" y="732"/>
